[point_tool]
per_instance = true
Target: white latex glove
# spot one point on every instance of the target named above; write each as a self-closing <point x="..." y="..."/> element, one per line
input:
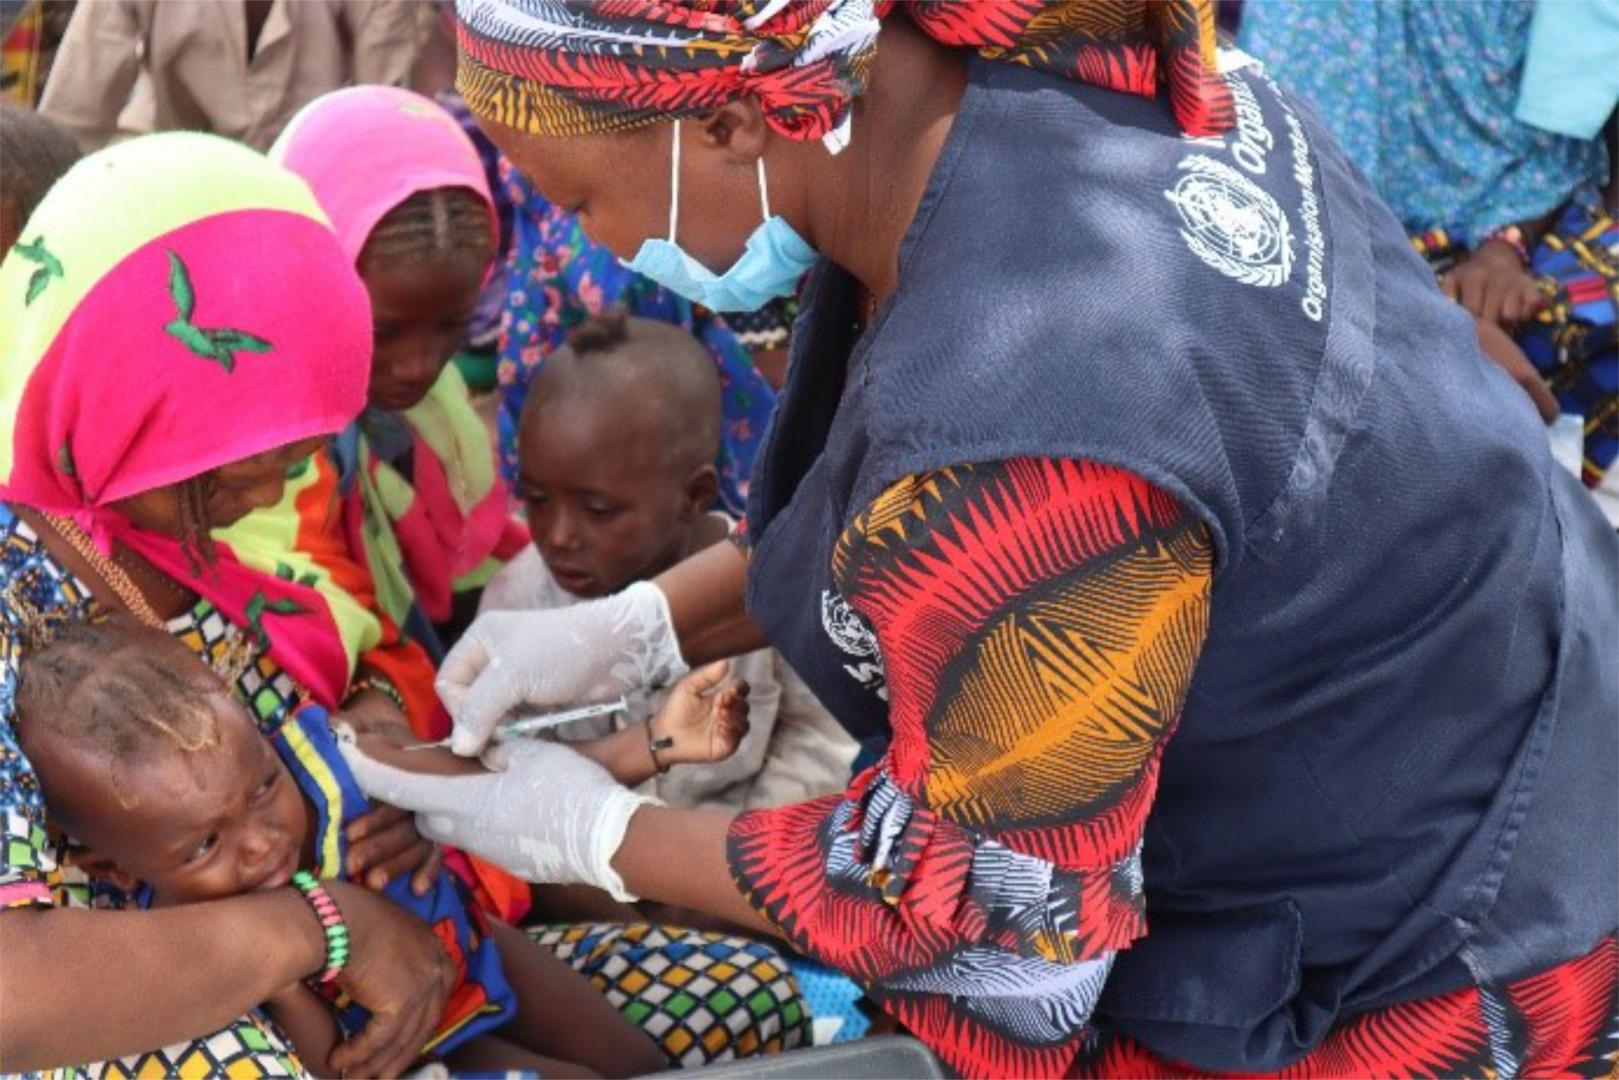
<point x="550" y="659"/>
<point x="548" y="814"/>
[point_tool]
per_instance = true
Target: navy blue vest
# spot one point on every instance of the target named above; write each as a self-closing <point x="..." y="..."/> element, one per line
<point x="1395" y="770"/>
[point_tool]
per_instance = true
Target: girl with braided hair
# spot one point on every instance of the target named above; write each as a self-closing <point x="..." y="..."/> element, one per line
<point x="406" y="192"/>
<point x="407" y="493"/>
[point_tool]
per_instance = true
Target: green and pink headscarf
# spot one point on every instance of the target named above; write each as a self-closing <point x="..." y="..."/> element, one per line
<point x="364" y="150"/>
<point x="178" y="303"/>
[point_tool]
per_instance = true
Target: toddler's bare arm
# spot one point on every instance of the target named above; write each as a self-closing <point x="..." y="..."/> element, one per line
<point x="309" y="1023"/>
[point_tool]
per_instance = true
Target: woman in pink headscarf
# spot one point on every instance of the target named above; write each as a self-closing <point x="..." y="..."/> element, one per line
<point x="178" y="331"/>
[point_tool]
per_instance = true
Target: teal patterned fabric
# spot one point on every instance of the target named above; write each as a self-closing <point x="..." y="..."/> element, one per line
<point x="1420" y="94"/>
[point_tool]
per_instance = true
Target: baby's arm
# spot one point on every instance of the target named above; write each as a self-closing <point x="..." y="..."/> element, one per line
<point x="432" y="761"/>
<point x="703" y="722"/>
<point x="699" y="723"/>
<point x="624" y="754"/>
<point x="309" y="1023"/>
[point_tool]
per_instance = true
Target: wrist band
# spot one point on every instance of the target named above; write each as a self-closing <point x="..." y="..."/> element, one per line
<point x="331" y="924"/>
<point x="655" y="746"/>
<point x="1432" y="242"/>
<point x="1513" y="237"/>
<point x="381" y="686"/>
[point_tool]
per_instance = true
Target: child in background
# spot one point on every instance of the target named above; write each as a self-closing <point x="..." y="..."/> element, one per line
<point x="418" y="502"/>
<point x="615" y="450"/>
<point x="166" y="785"/>
<point x="408" y="197"/>
<point x="34" y="153"/>
<point x="557" y="277"/>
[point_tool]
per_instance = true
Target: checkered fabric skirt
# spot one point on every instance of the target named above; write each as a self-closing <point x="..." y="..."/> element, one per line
<point x="248" y="1049"/>
<point x="701" y="996"/>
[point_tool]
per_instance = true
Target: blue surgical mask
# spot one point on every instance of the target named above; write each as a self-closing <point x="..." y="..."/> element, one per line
<point x="771" y="264"/>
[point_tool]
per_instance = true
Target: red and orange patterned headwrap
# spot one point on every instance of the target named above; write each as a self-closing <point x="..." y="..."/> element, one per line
<point x="552" y="67"/>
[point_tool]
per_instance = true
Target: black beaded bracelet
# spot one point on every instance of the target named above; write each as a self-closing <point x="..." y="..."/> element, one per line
<point x="655" y="746"/>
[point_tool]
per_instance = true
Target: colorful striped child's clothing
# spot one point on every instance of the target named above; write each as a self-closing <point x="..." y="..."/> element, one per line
<point x="482" y="999"/>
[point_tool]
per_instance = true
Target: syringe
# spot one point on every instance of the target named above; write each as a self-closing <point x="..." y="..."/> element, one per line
<point x="516" y="729"/>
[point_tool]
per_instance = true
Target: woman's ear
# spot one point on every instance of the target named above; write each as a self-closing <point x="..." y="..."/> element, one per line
<point x="702" y="491"/>
<point x="737" y="127"/>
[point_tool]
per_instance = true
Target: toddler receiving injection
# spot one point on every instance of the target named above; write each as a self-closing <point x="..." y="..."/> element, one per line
<point x="168" y="789"/>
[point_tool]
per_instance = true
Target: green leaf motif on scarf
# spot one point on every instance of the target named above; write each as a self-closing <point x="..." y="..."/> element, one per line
<point x="185" y="297"/>
<point x="287" y="573"/>
<point x="259" y="605"/>
<point x="217" y="343"/>
<point x="49" y="267"/>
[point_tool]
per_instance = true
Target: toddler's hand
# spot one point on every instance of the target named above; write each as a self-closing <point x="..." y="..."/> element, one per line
<point x="1494" y="285"/>
<point x="705" y="720"/>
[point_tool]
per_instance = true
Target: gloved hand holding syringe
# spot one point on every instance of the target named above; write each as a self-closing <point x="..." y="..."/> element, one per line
<point x="530" y="725"/>
<point x="488" y="804"/>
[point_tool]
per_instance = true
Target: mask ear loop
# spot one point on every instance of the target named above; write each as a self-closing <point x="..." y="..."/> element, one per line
<point x="674" y="185"/>
<point x="764" y="190"/>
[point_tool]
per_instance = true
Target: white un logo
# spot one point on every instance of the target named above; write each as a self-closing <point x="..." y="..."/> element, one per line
<point x="1231" y="223"/>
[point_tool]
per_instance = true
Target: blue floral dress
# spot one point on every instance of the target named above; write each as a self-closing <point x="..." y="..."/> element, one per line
<point x="1420" y="94"/>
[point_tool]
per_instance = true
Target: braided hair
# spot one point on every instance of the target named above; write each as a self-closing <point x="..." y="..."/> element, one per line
<point x="117" y="687"/>
<point x="450" y="223"/>
<point x="196" y="520"/>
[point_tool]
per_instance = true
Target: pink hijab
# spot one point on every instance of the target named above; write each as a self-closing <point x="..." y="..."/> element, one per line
<point x="178" y="303"/>
<point x="366" y="149"/>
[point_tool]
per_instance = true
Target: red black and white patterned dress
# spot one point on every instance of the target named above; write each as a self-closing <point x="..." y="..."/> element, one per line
<point x="1039" y="622"/>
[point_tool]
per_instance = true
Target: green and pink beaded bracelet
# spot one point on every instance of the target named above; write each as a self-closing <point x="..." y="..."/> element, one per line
<point x="331" y="924"/>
